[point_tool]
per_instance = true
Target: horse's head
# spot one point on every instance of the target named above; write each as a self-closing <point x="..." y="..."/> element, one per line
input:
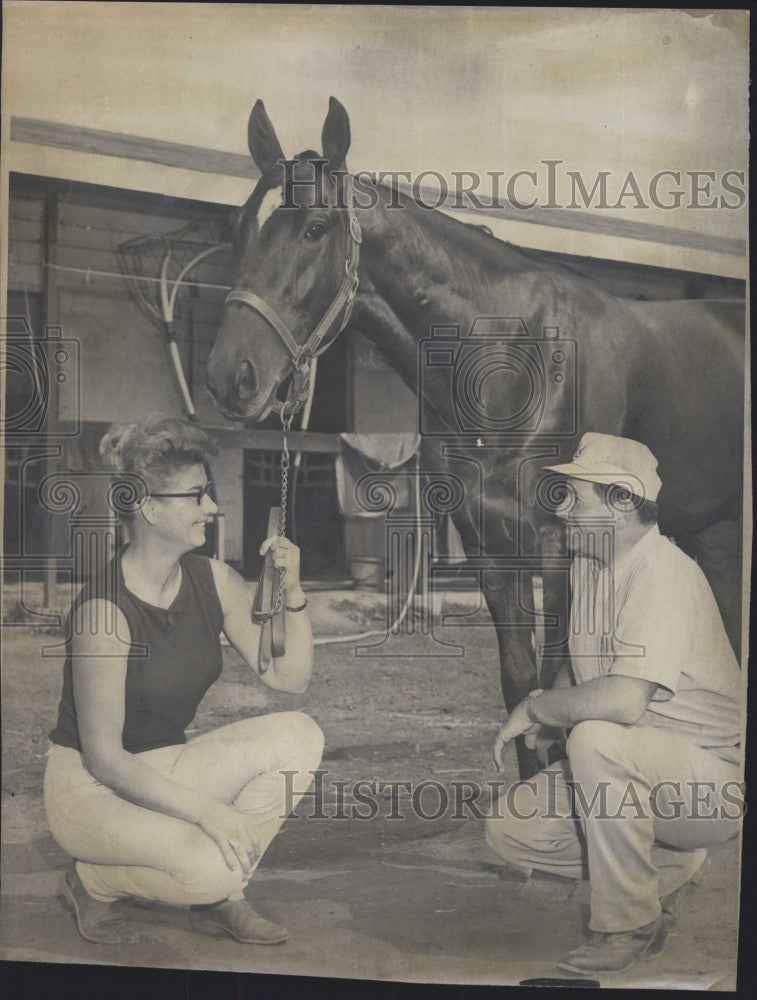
<point x="296" y="250"/>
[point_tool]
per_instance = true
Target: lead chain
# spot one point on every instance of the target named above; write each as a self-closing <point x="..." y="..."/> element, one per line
<point x="286" y="423"/>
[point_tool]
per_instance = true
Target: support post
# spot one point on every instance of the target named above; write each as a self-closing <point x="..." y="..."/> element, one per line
<point x="51" y="314"/>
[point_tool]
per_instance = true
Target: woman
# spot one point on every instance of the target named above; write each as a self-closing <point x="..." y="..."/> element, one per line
<point x="143" y="811"/>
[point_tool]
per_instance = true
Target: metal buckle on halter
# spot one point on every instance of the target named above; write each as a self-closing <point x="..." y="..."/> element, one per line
<point x="352" y="290"/>
<point x="301" y="364"/>
<point x="355" y="231"/>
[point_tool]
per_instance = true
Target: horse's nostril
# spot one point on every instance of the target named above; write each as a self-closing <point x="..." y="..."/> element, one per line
<point x="245" y="383"/>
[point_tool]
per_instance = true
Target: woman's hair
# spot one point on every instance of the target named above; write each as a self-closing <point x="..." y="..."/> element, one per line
<point x="156" y="448"/>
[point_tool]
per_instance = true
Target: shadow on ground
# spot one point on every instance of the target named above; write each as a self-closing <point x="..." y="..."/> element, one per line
<point x="405" y="898"/>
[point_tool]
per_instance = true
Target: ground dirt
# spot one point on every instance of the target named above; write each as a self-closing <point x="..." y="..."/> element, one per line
<point x="387" y="898"/>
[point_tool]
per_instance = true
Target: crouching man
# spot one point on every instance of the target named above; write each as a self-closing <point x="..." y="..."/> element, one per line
<point x="653" y="708"/>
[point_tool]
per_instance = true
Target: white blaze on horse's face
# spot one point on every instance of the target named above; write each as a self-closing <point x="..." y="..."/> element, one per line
<point x="272" y="199"/>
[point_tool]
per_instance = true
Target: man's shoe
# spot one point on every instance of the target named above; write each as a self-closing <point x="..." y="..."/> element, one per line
<point x="236" y="919"/>
<point x="95" y="920"/>
<point x="616" y="952"/>
<point x="671" y="904"/>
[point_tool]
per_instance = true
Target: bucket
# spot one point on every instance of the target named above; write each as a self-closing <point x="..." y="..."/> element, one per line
<point x="367" y="572"/>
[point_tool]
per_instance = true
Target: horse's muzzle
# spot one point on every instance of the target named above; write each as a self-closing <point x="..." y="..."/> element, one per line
<point x="232" y="396"/>
<point x="245" y="383"/>
<point x="240" y="402"/>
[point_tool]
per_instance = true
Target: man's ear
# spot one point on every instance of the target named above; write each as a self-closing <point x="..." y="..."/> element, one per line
<point x="626" y="518"/>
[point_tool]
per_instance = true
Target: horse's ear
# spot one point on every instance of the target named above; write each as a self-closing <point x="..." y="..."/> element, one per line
<point x="336" y="135"/>
<point x="261" y="138"/>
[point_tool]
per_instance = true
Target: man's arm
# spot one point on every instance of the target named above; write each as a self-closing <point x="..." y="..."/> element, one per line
<point x="548" y="737"/>
<point x="614" y="698"/>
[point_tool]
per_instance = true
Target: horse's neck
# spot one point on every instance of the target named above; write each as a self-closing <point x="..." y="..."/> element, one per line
<point x="420" y="270"/>
<point x="427" y="269"/>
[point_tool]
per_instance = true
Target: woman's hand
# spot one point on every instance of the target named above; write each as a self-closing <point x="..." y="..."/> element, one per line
<point x="290" y="672"/>
<point x="230" y="829"/>
<point x="286" y="556"/>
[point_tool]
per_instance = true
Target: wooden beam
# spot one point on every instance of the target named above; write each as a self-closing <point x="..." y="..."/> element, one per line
<point x="270" y="440"/>
<point x="602" y="225"/>
<point x="131" y="147"/>
<point x="211" y="161"/>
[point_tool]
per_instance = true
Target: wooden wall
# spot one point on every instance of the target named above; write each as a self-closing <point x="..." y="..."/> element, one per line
<point x="125" y="365"/>
<point x="126" y="371"/>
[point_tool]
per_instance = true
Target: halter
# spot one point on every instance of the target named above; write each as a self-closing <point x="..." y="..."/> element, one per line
<point x="327" y="330"/>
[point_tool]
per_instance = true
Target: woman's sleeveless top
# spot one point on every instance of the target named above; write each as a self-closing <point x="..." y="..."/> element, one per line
<point x="173" y="658"/>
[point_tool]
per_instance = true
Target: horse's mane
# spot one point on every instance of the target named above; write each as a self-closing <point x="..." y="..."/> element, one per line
<point x="478" y="241"/>
<point x="478" y="237"/>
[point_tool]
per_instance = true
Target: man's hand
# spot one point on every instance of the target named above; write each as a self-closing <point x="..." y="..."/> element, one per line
<point x="543" y="741"/>
<point x="517" y="724"/>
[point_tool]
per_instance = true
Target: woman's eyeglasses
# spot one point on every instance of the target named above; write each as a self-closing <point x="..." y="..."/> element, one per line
<point x="198" y="494"/>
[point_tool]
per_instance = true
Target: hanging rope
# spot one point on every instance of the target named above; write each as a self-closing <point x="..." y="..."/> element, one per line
<point x="327" y="640"/>
<point x="94" y="273"/>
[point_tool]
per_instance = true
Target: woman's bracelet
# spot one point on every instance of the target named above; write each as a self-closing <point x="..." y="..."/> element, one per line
<point x="300" y="607"/>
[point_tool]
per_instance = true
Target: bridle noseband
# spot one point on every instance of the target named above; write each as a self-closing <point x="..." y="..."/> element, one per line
<point x="331" y="325"/>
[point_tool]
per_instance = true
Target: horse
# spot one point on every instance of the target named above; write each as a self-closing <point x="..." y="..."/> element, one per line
<point x="513" y="357"/>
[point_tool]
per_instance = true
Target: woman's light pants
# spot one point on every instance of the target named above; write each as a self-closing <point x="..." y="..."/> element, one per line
<point x="124" y="849"/>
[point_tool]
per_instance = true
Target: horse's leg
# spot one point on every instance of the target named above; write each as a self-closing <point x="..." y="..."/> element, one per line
<point x="556" y="604"/>
<point x="718" y="550"/>
<point x="516" y="656"/>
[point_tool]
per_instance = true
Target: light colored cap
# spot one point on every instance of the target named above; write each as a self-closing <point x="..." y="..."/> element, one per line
<point x="602" y="458"/>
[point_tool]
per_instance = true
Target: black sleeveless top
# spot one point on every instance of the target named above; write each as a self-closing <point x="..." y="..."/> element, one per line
<point x="174" y="656"/>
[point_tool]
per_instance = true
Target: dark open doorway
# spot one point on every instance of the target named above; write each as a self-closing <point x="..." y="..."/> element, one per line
<point x="314" y="521"/>
<point x="318" y="528"/>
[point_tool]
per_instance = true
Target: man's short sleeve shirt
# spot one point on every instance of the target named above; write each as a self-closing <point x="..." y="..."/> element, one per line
<point x="653" y="616"/>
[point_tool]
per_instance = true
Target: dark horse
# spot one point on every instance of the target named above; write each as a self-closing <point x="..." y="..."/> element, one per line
<point x="527" y="359"/>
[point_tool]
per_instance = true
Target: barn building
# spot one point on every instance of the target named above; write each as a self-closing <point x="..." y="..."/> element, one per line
<point x="613" y="141"/>
<point x="97" y="214"/>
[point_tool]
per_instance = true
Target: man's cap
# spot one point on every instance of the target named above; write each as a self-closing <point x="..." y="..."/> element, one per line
<point x="602" y="458"/>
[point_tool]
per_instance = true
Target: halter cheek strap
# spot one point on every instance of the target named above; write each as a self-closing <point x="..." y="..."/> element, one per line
<point x="331" y="325"/>
<point x="261" y="306"/>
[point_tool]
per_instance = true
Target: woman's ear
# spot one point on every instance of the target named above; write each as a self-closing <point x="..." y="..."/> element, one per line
<point x="148" y="510"/>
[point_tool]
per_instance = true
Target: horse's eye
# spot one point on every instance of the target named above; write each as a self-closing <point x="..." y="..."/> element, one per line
<point x="315" y="231"/>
